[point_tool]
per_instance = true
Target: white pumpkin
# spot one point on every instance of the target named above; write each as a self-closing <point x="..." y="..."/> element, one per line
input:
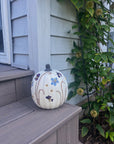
<point x="49" y="89"/>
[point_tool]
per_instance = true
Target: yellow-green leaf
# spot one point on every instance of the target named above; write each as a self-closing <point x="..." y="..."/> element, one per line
<point x="111" y="59"/>
<point x="100" y="129"/>
<point x="104" y="57"/>
<point x="88" y="121"/>
<point x="84" y="131"/>
<point x="91" y="11"/>
<point x="78" y="3"/>
<point x="97" y="58"/>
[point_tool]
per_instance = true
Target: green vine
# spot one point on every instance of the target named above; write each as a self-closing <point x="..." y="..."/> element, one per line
<point x="92" y="66"/>
<point x="90" y="63"/>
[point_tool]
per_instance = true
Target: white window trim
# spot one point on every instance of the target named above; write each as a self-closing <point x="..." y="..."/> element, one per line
<point x="5" y="57"/>
<point x="38" y="33"/>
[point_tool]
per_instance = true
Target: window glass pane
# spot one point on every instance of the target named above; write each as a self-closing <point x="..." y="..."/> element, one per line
<point x="1" y="34"/>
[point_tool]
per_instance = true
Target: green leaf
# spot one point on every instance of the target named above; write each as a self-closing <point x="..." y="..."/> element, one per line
<point x="75" y="26"/>
<point x="108" y="69"/>
<point x="78" y="3"/>
<point x="112" y="134"/>
<point x="111" y="138"/>
<point x="111" y="59"/>
<point x="96" y="107"/>
<point x="96" y="1"/>
<point x="111" y="41"/>
<point x="88" y="121"/>
<point x="104" y="57"/>
<point x="72" y="84"/>
<point x="84" y="131"/>
<point x="107" y="134"/>
<point x="91" y="11"/>
<point x="87" y="26"/>
<point x="97" y="58"/>
<point x="70" y="95"/>
<point x="111" y="119"/>
<point x="100" y="129"/>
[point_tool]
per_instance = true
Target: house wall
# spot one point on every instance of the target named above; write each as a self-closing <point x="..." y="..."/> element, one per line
<point x="103" y="47"/>
<point x="62" y="17"/>
<point x="19" y="28"/>
<point x="38" y="24"/>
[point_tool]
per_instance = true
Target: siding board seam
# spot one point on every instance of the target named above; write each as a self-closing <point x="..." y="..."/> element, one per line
<point x="20" y="66"/>
<point x="66" y="69"/>
<point x="64" y="37"/>
<point x="19" y="17"/>
<point x="63" y="19"/>
<point x="20" y="53"/>
<point x="20" y="36"/>
<point x="54" y="54"/>
<point x="12" y="1"/>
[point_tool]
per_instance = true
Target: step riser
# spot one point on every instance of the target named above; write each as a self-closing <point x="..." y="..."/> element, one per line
<point x="14" y="90"/>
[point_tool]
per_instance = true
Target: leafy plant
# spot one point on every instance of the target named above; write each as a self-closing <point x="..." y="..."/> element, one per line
<point x="90" y="63"/>
<point x="92" y="66"/>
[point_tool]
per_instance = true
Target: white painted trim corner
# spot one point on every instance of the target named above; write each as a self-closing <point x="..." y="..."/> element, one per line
<point x="38" y="33"/>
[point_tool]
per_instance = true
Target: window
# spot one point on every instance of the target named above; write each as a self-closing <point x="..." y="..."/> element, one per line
<point x="5" y="32"/>
<point x="1" y="34"/>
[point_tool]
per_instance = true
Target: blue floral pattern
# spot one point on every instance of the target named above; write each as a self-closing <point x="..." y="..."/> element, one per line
<point x="54" y="81"/>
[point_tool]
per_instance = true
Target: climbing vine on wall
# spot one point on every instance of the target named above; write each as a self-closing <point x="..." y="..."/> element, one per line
<point x="90" y="64"/>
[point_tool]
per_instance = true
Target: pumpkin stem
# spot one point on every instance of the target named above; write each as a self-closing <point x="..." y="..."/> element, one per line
<point x="48" y="68"/>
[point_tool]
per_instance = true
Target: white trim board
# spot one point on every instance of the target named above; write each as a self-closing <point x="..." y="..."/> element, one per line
<point x="5" y="11"/>
<point x="39" y="33"/>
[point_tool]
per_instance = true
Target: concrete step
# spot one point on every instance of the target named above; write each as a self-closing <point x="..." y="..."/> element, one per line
<point x="15" y="84"/>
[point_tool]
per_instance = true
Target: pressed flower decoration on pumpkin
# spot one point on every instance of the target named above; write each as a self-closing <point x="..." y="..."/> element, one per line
<point x="54" y="81"/>
<point x="37" y="76"/>
<point x="49" y="98"/>
<point x="59" y="74"/>
<point x="80" y="91"/>
<point x="94" y="113"/>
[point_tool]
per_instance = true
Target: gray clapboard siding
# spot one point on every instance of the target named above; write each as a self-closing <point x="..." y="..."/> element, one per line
<point x="20" y="45"/>
<point x="61" y="45"/>
<point x="67" y="74"/>
<point x="12" y="0"/>
<point x="59" y="62"/>
<point x="63" y="10"/>
<point x="19" y="8"/>
<point x="21" y="59"/>
<point x="20" y="27"/>
<point x="61" y="27"/>
<point x="19" y="33"/>
<point x="62" y="18"/>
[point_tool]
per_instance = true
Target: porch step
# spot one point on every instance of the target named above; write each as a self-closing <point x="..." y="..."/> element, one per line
<point x="24" y="123"/>
<point x="14" y="84"/>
